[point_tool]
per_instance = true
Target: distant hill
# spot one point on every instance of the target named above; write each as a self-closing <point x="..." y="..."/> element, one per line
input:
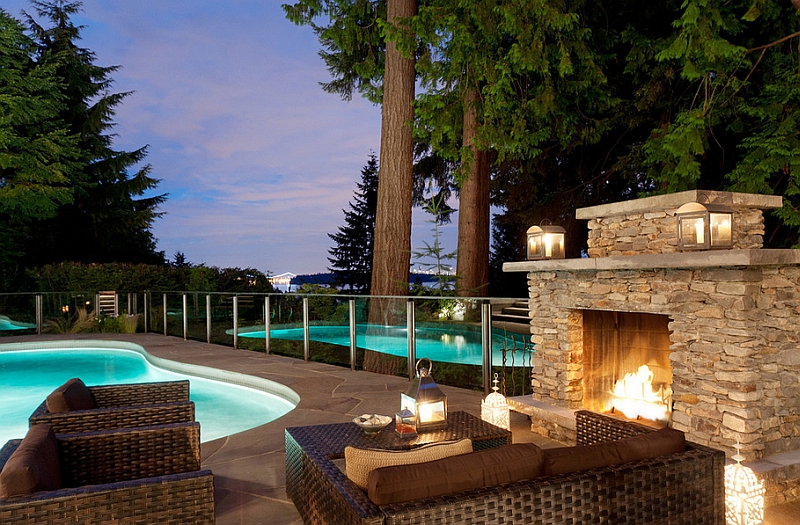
<point x="325" y="279"/>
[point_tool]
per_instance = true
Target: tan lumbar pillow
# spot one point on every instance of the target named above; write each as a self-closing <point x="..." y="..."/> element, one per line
<point x="360" y="462"/>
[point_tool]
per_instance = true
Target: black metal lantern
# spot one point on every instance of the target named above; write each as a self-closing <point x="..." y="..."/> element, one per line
<point x="545" y="242"/>
<point x="704" y="226"/>
<point x="425" y="400"/>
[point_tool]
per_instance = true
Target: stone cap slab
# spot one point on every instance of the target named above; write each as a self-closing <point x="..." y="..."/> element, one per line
<point x="682" y="260"/>
<point x="673" y="201"/>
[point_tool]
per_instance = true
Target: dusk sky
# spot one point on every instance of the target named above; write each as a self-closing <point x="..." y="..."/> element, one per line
<point x="257" y="160"/>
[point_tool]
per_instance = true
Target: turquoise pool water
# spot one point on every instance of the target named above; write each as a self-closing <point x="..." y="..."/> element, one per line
<point x="8" y="324"/>
<point x="28" y="376"/>
<point x="446" y="344"/>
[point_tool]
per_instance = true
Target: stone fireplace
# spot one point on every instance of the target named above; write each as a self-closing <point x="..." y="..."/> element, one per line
<point x="718" y="331"/>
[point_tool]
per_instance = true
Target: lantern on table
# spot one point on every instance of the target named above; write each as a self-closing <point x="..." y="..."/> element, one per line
<point x="494" y="409"/>
<point x="425" y="400"/>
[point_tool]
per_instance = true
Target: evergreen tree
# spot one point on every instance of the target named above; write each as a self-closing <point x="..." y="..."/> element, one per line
<point x="37" y="151"/>
<point x="351" y="258"/>
<point x="109" y="218"/>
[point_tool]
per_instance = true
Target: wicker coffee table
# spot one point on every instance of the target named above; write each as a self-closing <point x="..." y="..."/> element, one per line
<point x="310" y="452"/>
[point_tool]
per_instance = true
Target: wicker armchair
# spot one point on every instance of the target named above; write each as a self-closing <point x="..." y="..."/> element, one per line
<point x="124" y="406"/>
<point x="140" y="475"/>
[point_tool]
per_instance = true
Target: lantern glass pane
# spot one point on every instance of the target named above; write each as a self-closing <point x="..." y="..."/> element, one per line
<point x="554" y="245"/>
<point x="692" y="231"/>
<point x="408" y="403"/>
<point x="721" y="230"/>
<point x="535" y="246"/>
<point x="431" y="412"/>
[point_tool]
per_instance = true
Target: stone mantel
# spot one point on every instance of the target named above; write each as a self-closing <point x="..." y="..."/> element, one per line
<point x="683" y="260"/>
<point x="676" y="200"/>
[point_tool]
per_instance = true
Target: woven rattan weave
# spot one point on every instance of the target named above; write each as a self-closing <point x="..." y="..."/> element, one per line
<point x="682" y="489"/>
<point x="124" y="406"/>
<point x="130" y="476"/>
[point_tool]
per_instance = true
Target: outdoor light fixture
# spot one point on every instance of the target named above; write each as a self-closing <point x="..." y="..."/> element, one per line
<point x="545" y="242"/>
<point x="424" y="399"/>
<point x="494" y="409"/>
<point x="744" y="494"/>
<point x="704" y="226"/>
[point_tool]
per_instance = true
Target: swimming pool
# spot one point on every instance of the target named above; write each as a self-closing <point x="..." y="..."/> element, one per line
<point x="225" y="402"/>
<point x="445" y="344"/>
<point x="9" y="324"/>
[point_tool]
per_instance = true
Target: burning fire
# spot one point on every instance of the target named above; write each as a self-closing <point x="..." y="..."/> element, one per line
<point x="634" y="396"/>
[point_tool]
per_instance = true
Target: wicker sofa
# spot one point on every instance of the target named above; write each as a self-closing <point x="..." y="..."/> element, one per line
<point x="685" y="488"/>
<point x="121" y="406"/>
<point x="128" y="476"/>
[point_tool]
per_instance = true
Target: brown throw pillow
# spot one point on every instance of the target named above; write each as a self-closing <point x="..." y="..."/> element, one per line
<point x="564" y="460"/>
<point x="652" y="445"/>
<point x="72" y="395"/>
<point x="34" y="466"/>
<point x="360" y="462"/>
<point x="485" y="468"/>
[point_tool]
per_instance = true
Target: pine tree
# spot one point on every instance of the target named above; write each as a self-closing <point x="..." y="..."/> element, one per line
<point x="109" y="219"/>
<point x="351" y="258"/>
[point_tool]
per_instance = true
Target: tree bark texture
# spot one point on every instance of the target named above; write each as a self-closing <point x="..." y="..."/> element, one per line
<point x="472" y="265"/>
<point x="392" y="249"/>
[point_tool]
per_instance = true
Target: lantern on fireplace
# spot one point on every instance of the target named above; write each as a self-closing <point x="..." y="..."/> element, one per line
<point x="704" y="226"/>
<point x="494" y="409"/>
<point x="744" y="494"/>
<point x="425" y="400"/>
<point x="545" y="242"/>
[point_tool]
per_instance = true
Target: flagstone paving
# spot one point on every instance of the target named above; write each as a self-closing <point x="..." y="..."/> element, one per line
<point x="249" y="468"/>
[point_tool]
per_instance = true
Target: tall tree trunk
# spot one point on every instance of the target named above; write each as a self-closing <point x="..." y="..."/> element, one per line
<point x="392" y="248"/>
<point x="472" y="265"/>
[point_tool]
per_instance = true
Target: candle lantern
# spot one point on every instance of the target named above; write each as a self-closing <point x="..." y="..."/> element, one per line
<point x="405" y="423"/>
<point x="704" y="226"/>
<point x="494" y="409"/>
<point x="425" y="400"/>
<point x="545" y="242"/>
<point x="744" y="494"/>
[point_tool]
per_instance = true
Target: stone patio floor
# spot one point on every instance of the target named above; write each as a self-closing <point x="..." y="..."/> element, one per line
<point x="249" y="468"/>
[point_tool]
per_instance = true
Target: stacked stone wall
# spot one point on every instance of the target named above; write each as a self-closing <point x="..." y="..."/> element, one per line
<point x="734" y="346"/>
<point x="657" y="232"/>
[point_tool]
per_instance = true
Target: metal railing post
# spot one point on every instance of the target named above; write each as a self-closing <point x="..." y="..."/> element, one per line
<point x="486" y="345"/>
<point x="236" y="321"/>
<point x="353" y="334"/>
<point x="306" y="331"/>
<point x="146" y="312"/>
<point x="411" y="325"/>
<point x="164" y="304"/>
<point x="208" y="318"/>
<point x="185" y="319"/>
<point x="39" y="315"/>
<point x="266" y="324"/>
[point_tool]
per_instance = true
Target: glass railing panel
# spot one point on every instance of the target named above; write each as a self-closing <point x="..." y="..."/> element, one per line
<point x="220" y="306"/>
<point x="286" y="326"/>
<point x="329" y="328"/>
<point x="448" y="332"/>
<point x="513" y="350"/>
<point x="17" y="314"/>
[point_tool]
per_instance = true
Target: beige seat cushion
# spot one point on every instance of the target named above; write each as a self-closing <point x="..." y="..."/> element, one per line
<point x="72" y="395"/>
<point x="360" y="462"/>
<point x="34" y="466"/>
<point x="484" y="468"/>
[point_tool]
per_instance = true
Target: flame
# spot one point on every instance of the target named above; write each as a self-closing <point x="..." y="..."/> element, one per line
<point x="634" y="396"/>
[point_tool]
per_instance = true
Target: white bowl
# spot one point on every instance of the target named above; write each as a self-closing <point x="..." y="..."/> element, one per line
<point x="372" y="423"/>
